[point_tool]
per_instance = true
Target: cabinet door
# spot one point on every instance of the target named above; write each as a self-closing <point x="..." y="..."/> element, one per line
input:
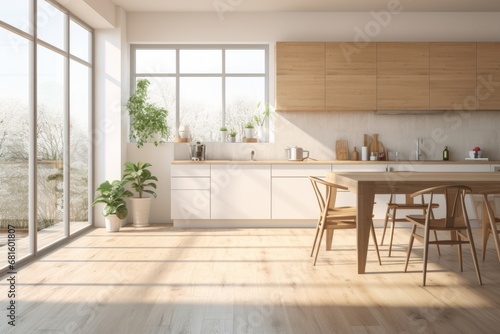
<point x="402" y="76"/>
<point x="453" y="76"/>
<point x="351" y="76"/>
<point x="293" y="198"/>
<point x="242" y="193"/>
<point x="190" y="204"/>
<point x="300" y="76"/>
<point x="488" y="76"/>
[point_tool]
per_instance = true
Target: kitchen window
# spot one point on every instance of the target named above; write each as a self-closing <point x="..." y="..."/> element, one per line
<point x="205" y="87"/>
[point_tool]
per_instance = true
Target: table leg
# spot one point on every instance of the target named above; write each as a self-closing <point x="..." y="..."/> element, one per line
<point x="485" y="223"/>
<point x="365" y="198"/>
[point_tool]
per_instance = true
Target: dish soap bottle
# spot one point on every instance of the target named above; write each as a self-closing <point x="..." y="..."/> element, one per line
<point x="446" y="154"/>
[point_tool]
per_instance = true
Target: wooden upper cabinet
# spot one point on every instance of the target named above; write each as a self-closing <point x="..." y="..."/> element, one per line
<point x="300" y="76"/>
<point x="488" y="76"/>
<point x="402" y="76"/>
<point x="351" y="76"/>
<point x="453" y="76"/>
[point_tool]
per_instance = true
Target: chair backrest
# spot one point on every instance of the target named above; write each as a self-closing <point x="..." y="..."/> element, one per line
<point x="330" y="192"/>
<point x="456" y="212"/>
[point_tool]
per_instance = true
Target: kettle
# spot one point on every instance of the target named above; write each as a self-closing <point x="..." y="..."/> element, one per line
<point x="197" y="151"/>
<point x="296" y="153"/>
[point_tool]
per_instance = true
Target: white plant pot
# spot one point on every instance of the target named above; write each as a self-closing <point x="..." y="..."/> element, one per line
<point x="262" y="135"/>
<point x="113" y="223"/>
<point x="249" y="133"/>
<point x="232" y="139"/>
<point x="140" y="211"/>
<point x="223" y="136"/>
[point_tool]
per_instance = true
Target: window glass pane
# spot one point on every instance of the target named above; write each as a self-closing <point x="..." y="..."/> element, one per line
<point x="17" y="13"/>
<point x="200" y="61"/>
<point x="242" y="101"/>
<point x="201" y="107"/>
<point x="80" y="39"/>
<point x="50" y="146"/>
<point x="51" y="23"/>
<point x="161" y="92"/>
<point x="155" y="61"/>
<point x="14" y="140"/>
<point x="80" y="102"/>
<point x="245" y="61"/>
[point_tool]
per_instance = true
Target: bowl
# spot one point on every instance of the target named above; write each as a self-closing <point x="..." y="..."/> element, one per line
<point x="479" y="154"/>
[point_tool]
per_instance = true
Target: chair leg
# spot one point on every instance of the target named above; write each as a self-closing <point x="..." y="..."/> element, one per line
<point x="460" y="258"/>
<point x="437" y="245"/>
<point x="426" y="252"/>
<point x="485" y="238"/>
<point x="392" y="230"/>
<point x="385" y="224"/>
<point x="410" y="245"/>
<point x="474" y="255"/>
<point x="316" y="236"/>
<point x="376" y="245"/>
<point x="321" y="232"/>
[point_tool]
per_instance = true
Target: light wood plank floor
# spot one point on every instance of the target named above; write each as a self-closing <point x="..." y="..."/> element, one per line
<point x="165" y="280"/>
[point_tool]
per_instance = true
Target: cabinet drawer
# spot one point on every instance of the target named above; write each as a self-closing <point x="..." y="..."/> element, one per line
<point x="360" y="168"/>
<point x="190" y="183"/>
<point x="294" y="170"/>
<point x="190" y="170"/>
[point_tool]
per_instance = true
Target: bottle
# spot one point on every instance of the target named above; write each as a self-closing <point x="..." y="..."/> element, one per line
<point x="355" y="155"/>
<point x="446" y="154"/>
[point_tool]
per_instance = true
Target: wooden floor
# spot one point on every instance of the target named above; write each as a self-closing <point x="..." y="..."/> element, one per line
<point x="166" y="280"/>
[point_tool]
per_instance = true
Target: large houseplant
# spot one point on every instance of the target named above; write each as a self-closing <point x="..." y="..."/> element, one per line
<point x="148" y="122"/>
<point x="141" y="181"/>
<point x="113" y="195"/>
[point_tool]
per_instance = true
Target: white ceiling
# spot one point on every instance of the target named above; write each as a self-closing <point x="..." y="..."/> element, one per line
<point x="307" y="5"/>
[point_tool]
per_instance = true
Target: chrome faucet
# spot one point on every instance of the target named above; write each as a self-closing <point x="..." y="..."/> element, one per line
<point x="252" y="156"/>
<point x="418" y="153"/>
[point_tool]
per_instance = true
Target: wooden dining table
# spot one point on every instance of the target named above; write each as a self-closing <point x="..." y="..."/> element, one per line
<point x="366" y="184"/>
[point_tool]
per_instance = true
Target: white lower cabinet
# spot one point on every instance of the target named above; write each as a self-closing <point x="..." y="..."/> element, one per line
<point x="292" y="195"/>
<point x="190" y="192"/>
<point x="240" y="192"/>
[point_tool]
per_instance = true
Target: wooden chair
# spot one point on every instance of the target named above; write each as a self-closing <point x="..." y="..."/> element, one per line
<point x="456" y="221"/>
<point x="331" y="217"/>
<point x="392" y="210"/>
<point x="493" y="220"/>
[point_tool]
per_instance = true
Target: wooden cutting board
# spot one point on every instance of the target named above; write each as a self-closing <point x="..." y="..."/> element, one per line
<point x="341" y="149"/>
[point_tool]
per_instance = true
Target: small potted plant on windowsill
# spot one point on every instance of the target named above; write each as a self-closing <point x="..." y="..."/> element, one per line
<point x="223" y="134"/>
<point x="115" y="209"/>
<point x="232" y="136"/>
<point x="141" y="178"/>
<point x="148" y="122"/>
<point x="261" y="122"/>
<point x="249" y="129"/>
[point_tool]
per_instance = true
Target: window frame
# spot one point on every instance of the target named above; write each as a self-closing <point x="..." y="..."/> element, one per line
<point x="177" y="75"/>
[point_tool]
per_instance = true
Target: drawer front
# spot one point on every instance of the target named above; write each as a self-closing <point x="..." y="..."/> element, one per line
<point x="304" y="171"/>
<point x="360" y="168"/>
<point x="190" y="183"/>
<point x="190" y="170"/>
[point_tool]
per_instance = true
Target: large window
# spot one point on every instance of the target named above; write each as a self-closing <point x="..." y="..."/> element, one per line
<point x="45" y="108"/>
<point x="205" y="87"/>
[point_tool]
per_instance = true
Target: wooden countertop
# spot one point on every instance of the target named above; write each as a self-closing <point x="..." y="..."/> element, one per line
<point x="330" y="162"/>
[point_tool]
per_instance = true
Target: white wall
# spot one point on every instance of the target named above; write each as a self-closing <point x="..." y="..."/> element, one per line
<point x="318" y="131"/>
<point x="109" y="134"/>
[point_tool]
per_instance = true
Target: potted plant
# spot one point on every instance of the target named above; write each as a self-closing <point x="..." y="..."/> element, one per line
<point x="148" y="122"/>
<point x="249" y="130"/>
<point x="232" y="136"/>
<point x="223" y="134"/>
<point x="141" y="179"/>
<point x="115" y="209"/>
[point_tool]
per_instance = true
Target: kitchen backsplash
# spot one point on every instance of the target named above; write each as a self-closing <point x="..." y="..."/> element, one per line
<point x="317" y="132"/>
